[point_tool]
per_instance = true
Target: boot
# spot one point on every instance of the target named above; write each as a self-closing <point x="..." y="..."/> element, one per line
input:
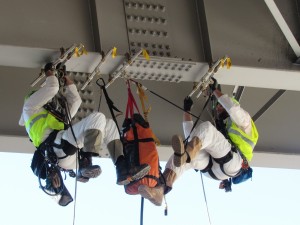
<point x="125" y="175"/>
<point x="87" y="169"/>
<point x="60" y="195"/>
<point x="181" y="155"/>
<point x="193" y="147"/>
<point x="65" y="198"/>
<point x="92" y="146"/>
<point x="154" y="195"/>
<point x="169" y="178"/>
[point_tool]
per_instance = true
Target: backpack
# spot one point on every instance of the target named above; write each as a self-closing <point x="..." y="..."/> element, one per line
<point x="139" y="146"/>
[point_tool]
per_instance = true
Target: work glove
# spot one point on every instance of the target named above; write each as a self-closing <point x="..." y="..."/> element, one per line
<point x="60" y="66"/>
<point x="48" y="66"/>
<point x="214" y="85"/>
<point x="187" y="104"/>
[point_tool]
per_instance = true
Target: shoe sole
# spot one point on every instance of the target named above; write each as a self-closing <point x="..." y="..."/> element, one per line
<point x="136" y="176"/>
<point x="83" y="179"/>
<point x="91" y="172"/>
<point x="178" y="147"/>
<point x="144" y="191"/>
<point x="141" y="173"/>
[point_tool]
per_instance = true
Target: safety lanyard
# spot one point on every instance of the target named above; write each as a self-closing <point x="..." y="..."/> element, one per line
<point x="198" y="118"/>
<point x="131" y="103"/>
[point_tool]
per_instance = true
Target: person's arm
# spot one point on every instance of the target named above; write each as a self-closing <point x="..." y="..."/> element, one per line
<point x="235" y="111"/>
<point x="39" y="98"/>
<point x="187" y="122"/>
<point x="72" y="96"/>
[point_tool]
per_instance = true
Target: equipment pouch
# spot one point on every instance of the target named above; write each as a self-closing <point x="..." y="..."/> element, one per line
<point x="244" y="175"/>
<point x="38" y="164"/>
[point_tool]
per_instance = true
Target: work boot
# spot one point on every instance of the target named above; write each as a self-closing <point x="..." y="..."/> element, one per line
<point x="193" y="147"/>
<point x="181" y="155"/>
<point x="154" y="195"/>
<point x="65" y="197"/>
<point x="87" y="169"/>
<point x="124" y="176"/>
<point x="92" y="146"/>
<point x="169" y="178"/>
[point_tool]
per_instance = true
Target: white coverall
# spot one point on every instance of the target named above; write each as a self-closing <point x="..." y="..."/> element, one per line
<point x="34" y="104"/>
<point x="214" y="143"/>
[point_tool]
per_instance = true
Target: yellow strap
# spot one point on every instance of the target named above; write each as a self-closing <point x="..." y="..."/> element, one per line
<point x="78" y="53"/>
<point x="114" y="52"/>
<point x="145" y="54"/>
<point x="143" y="97"/>
<point x="228" y="63"/>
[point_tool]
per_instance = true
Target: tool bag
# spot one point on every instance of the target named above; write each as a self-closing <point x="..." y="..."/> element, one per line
<point x="139" y="146"/>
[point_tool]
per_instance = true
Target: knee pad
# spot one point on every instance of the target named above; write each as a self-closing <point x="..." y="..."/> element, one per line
<point x="68" y="148"/>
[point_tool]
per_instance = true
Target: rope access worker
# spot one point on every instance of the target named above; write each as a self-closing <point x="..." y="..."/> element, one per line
<point x="208" y="150"/>
<point x="90" y="135"/>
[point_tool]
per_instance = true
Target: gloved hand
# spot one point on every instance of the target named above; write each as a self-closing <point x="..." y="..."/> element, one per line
<point x="60" y="66"/>
<point x="187" y="104"/>
<point x="214" y="85"/>
<point x="48" y="66"/>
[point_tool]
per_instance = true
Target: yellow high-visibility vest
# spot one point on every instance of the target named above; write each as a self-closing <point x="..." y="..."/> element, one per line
<point x="244" y="142"/>
<point x="39" y="123"/>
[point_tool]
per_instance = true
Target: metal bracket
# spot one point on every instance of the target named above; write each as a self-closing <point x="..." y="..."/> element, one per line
<point x="97" y="69"/>
<point x="65" y="56"/>
<point x="119" y="72"/>
<point x="205" y="80"/>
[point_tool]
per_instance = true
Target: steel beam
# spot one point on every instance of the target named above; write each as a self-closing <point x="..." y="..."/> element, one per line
<point x="268" y="105"/>
<point x="15" y="56"/>
<point x="11" y="144"/>
<point x="283" y="26"/>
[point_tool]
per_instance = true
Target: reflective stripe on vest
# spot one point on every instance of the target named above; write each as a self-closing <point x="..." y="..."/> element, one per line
<point x="39" y="123"/>
<point x="243" y="141"/>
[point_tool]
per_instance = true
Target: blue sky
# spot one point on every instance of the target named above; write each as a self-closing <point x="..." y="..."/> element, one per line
<point x="272" y="197"/>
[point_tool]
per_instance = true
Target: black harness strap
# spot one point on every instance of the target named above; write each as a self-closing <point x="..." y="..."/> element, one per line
<point x="208" y="167"/>
<point x="109" y="103"/>
<point x="141" y="140"/>
<point x="225" y="158"/>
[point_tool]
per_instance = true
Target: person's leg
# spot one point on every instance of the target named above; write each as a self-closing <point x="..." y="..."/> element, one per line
<point x="171" y="174"/>
<point x="213" y="141"/>
<point x="219" y="148"/>
<point x="183" y="154"/>
<point x="88" y="134"/>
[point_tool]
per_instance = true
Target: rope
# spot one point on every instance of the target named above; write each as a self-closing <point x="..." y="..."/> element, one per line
<point x="137" y="83"/>
<point x="142" y="211"/>
<point x="198" y="118"/>
<point x="205" y="198"/>
<point x="77" y="156"/>
<point x="185" y="141"/>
